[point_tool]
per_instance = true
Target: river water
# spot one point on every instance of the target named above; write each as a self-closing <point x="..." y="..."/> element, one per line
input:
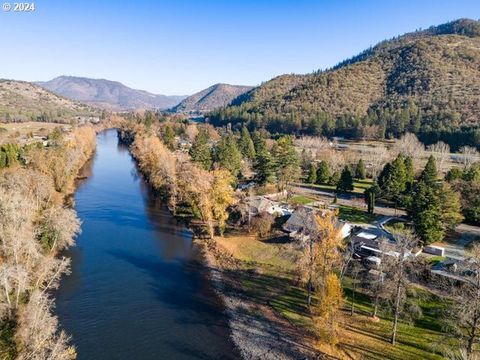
<point x="137" y="288"/>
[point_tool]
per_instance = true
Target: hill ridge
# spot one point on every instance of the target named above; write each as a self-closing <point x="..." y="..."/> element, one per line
<point x="426" y="82"/>
<point x="24" y="101"/>
<point x="208" y="99"/>
<point x="108" y="94"/>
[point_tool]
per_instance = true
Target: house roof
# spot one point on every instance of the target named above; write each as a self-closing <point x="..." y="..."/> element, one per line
<point x="302" y="220"/>
<point x="260" y="203"/>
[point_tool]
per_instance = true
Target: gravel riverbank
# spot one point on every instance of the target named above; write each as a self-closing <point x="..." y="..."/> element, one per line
<point x="255" y="329"/>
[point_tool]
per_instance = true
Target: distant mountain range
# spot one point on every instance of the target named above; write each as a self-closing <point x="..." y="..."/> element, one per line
<point x="215" y="96"/>
<point x="106" y="94"/>
<point x="24" y="101"/>
<point x="426" y="82"/>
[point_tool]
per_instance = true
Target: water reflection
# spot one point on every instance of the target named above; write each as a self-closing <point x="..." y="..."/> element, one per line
<point x="137" y="289"/>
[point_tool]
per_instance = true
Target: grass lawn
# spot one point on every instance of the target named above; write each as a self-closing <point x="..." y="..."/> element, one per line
<point x="273" y="283"/>
<point x="359" y="186"/>
<point x="422" y="339"/>
<point x="301" y="200"/>
<point x="355" y="215"/>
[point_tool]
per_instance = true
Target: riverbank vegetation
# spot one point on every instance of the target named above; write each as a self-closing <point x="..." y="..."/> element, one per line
<point x="190" y="189"/>
<point x="35" y="225"/>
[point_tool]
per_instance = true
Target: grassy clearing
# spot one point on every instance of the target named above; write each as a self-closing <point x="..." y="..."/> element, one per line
<point x="301" y="200"/>
<point x="274" y="283"/>
<point x="358" y="185"/>
<point x="355" y="215"/>
<point x="263" y="253"/>
<point x="361" y="185"/>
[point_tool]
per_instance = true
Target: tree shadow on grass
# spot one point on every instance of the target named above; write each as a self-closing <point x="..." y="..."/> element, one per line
<point x="276" y="239"/>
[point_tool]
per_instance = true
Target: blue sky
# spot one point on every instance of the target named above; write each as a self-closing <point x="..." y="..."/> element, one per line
<point x="180" y="47"/>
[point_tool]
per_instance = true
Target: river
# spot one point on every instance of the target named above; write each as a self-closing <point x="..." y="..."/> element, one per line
<point x="137" y="288"/>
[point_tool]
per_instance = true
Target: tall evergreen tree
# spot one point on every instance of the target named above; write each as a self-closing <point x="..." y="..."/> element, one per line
<point x="323" y="173"/>
<point x="370" y="197"/>
<point x="200" y="150"/>
<point x="360" y="171"/>
<point x="392" y="179"/>
<point x="425" y="211"/>
<point x="409" y="173"/>
<point x="429" y="174"/>
<point x="228" y="156"/>
<point x="259" y="142"/>
<point x="334" y="178"/>
<point x="245" y="145"/>
<point x="434" y="208"/>
<point x="451" y="207"/>
<point x="264" y="167"/>
<point x="286" y="160"/>
<point x="346" y="180"/>
<point x="453" y="174"/>
<point x="312" y="174"/>
<point x="168" y="136"/>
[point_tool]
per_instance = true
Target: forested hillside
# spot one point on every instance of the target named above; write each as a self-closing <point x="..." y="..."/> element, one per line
<point x="426" y="82"/>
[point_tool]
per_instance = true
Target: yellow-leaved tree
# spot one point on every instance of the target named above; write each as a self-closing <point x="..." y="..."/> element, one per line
<point x="327" y="311"/>
<point x="222" y="193"/>
<point x="328" y="244"/>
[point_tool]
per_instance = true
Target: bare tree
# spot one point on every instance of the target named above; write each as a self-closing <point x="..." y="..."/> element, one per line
<point x="59" y="226"/>
<point x="469" y="155"/>
<point x="376" y="158"/>
<point x="191" y="131"/>
<point x="356" y="271"/>
<point x="399" y="266"/>
<point x="38" y="332"/>
<point x="31" y="211"/>
<point x="409" y="145"/>
<point x="262" y="224"/>
<point x="375" y="281"/>
<point x="441" y="152"/>
<point x="315" y="145"/>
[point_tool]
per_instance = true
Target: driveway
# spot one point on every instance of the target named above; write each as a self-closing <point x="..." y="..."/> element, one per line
<point x="468" y="234"/>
